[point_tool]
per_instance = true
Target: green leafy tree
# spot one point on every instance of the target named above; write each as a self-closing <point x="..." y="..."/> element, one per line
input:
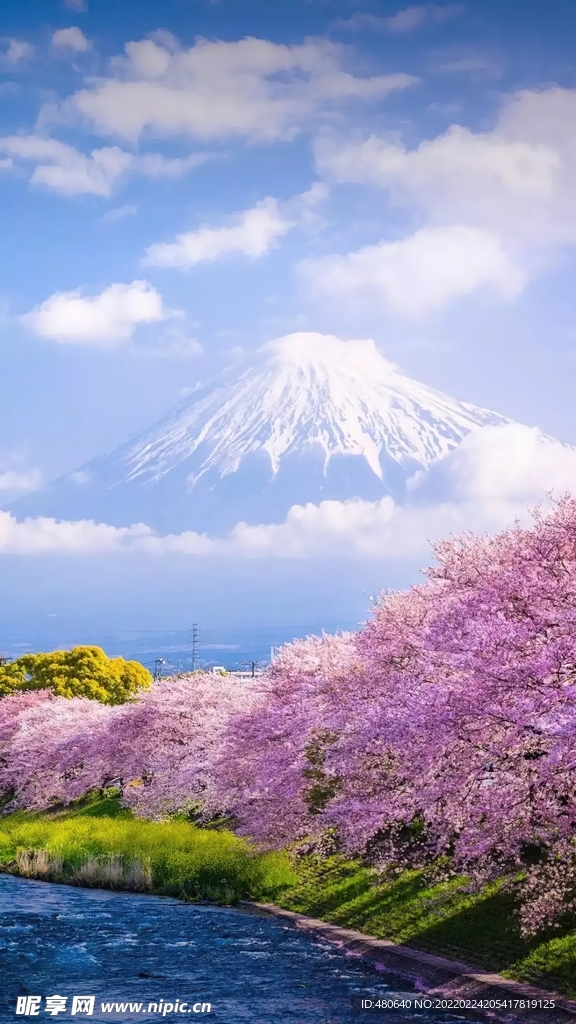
<point x="82" y="672"/>
<point x="12" y="678"/>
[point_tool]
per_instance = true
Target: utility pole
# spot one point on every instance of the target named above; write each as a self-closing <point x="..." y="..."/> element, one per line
<point x="158" y="668"/>
<point x="195" y="640"/>
<point x="252" y="665"/>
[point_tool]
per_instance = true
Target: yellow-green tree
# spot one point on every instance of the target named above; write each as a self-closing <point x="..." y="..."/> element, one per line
<point x="82" y="672"/>
<point x="12" y="678"/>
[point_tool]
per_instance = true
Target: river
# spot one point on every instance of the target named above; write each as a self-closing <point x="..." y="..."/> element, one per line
<point x="120" y="947"/>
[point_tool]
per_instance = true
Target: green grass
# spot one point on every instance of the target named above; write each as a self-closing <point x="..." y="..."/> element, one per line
<point x="99" y="843"/>
<point x="443" y="918"/>
<point x="96" y="843"/>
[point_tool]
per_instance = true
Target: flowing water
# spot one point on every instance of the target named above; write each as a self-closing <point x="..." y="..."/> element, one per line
<point x="62" y="941"/>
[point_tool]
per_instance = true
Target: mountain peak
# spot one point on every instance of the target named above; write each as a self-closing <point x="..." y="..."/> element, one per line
<point x="344" y="396"/>
<point x="310" y="349"/>
<point x="314" y="417"/>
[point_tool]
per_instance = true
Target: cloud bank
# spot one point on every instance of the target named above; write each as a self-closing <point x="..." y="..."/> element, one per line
<point x="215" y="90"/>
<point x="503" y="198"/>
<point x="67" y="171"/>
<point x="487" y="483"/>
<point x="420" y="273"/>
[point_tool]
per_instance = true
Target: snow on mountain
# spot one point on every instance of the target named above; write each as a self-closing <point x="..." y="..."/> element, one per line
<point x="314" y="418"/>
<point x="311" y="389"/>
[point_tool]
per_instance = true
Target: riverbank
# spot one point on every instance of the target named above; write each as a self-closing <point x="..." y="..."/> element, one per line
<point x="442" y="983"/>
<point x="98" y="844"/>
<point x="443" y="919"/>
<point x="102" y="846"/>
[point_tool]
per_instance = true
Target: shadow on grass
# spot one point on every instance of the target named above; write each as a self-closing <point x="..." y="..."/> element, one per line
<point x="479" y="928"/>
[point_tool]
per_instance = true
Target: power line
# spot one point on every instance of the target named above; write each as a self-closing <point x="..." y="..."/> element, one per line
<point x="252" y="665"/>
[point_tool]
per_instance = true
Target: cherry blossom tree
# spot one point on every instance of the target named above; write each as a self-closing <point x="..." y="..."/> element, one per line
<point x="271" y="770"/>
<point x="451" y="721"/>
<point x="52" y="749"/>
<point x="159" y="749"/>
<point x="443" y="733"/>
<point x="167" y="744"/>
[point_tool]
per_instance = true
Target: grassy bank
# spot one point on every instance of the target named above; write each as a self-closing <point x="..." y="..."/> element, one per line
<point x="100" y="845"/>
<point x="442" y="918"/>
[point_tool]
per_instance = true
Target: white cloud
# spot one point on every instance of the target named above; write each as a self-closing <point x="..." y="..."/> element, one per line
<point x="310" y="199"/>
<point x="360" y="529"/>
<point x="252" y="232"/>
<point x="63" y="169"/>
<point x="474" y="62"/>
<point x="42" y="536"/>
<point x="14" y="480"/>
<point x="13" y="52"/>
<point x="174" y="343"/>
<point x="516" y="180"/>
<point x="76" y="5"/>
<point x="214" y="89"/>
<point x="107" y="319"/>
<point x="119" y="213"/>
<point x="513" y="186"/>
<point x="309" y="531"/>
<point x="417" y="274"/>
<point x="417" y="15"/>
<point x="489" y="481"/>
<point x="156" y="166"/>
<point x="511" y="464"/>
<point x="349" y="529"/>
<point x="406" y="20"/>
<point x="71" y="38"/>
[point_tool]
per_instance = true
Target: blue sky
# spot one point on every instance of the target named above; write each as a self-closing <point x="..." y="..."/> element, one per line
<point x="200" y="177"/>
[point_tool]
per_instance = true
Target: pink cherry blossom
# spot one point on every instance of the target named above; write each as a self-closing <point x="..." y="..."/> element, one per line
<point x="52" y="749"/>
<point x="443" y="732"/>
<point x="451" y="721"/>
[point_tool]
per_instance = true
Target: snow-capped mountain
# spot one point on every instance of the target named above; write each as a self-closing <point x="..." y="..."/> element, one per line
<point x="312" y="418"/>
